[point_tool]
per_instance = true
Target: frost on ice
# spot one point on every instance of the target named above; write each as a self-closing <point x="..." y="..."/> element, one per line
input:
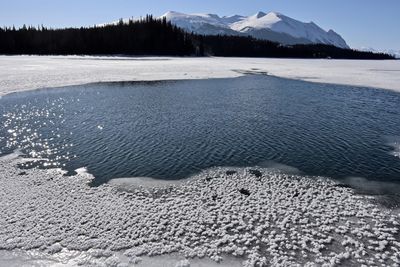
<point x="281" y="220"/>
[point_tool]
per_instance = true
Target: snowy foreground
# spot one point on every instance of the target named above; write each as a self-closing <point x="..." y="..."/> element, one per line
<point x="246" y="216"/>
<point x="31" y="72"/>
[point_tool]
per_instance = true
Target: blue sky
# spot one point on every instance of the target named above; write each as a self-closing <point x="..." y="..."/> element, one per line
<point x="369" y="23"/>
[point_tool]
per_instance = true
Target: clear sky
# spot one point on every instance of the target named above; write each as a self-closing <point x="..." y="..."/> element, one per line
<point x="362" y="23"/>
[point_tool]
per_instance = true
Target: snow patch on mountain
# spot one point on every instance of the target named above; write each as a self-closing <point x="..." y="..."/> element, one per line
<point x="193" y="22"/>
<point x="273" y="26"/>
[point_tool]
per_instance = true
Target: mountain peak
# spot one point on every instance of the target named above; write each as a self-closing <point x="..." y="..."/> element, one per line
<point x="213" y="16"/>
<point x="170" y="14"/>
<point x="274" y="13"/>
<point x="259" y="14"/>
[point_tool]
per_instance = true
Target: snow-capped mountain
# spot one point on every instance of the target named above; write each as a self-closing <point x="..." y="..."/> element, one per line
<point x="272" y="26"/>
<point x="395" y="53"/>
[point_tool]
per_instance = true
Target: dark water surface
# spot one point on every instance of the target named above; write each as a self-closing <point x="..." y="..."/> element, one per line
<point x="173" y="129"/>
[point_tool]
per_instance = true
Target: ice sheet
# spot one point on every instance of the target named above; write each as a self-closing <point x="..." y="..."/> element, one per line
<point x="19" y="73"/>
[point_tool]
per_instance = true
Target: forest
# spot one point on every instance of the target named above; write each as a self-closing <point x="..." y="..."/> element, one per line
<point x="150" y="36"/>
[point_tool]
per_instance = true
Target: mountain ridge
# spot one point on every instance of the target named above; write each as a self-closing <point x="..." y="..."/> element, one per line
<point x="393" y="52"/>
<point x="272" y="26"/>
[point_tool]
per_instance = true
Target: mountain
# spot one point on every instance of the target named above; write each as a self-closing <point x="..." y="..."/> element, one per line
<point x="272" y="26"/>
<point x="393" y="52"/>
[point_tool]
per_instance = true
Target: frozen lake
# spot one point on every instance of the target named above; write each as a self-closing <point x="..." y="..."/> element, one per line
<point x="174" y="129"/>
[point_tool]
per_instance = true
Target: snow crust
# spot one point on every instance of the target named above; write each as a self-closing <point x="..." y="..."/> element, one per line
<point x="18" y="73"/>
<point x="148" y="182"/>
<point x="258" y="216"/>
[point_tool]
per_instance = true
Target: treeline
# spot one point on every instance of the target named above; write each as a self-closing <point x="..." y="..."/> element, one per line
<point x="236" y="46"/>
<point x="149" y="36"/>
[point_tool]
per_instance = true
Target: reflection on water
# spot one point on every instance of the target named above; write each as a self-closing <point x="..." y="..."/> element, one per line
<point x="34" y="130"/>
<point x="173" y="129"/>
<point x="394" y="142"/>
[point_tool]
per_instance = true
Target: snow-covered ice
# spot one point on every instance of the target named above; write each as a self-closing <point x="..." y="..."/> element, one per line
<point x="19" y="73"/>
<point x="256" y="215"/>
<point x="144" y="182"/>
